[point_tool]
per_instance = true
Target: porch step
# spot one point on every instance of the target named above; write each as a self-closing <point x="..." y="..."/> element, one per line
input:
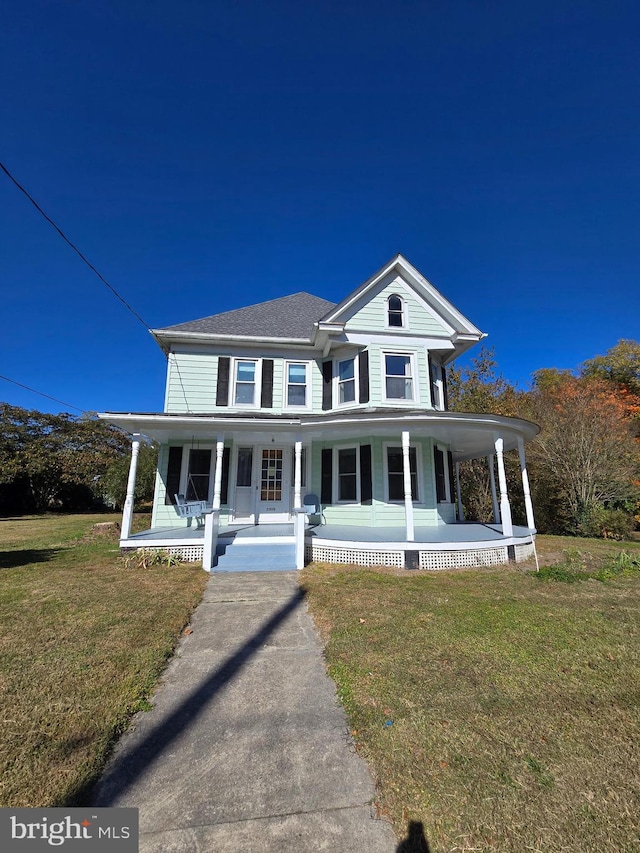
<point x="274" y="556"/>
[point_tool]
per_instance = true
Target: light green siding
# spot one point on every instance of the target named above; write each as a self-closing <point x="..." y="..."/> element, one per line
<point x="381" y="513"/>
<point x="192" y="379"/>
<point x="371" y="315"/>
<point x="422" y="391"/>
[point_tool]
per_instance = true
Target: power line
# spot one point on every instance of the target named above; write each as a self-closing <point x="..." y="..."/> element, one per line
<point x="75" y="249"/>
<point x="48" y="396"/>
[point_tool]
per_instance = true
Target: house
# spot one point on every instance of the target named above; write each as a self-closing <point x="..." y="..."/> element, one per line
<point x="300" y="401"/>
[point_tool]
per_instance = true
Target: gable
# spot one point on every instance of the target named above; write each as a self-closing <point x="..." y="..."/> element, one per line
<point x="371" y="311"/>
<point x="431" y="306"/>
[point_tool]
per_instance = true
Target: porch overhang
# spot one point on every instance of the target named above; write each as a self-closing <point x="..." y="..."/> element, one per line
<point x="469" y="435"/>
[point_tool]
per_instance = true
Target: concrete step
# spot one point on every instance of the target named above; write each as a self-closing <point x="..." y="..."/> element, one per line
<point x="271" y="557"/>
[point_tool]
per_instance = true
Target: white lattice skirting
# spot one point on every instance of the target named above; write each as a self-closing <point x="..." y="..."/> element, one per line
<point x="345" y="553"/>
<point x="430" y="560"/>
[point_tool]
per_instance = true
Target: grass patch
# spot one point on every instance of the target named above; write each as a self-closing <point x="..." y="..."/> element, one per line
<point x="514" y="703"/>
<point x="83" y="638"/>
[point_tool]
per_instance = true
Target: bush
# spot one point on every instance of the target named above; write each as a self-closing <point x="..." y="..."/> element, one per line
<point x="602" y="523"/>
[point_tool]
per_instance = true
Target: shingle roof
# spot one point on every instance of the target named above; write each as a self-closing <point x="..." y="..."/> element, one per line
<point x="287" y="317"/>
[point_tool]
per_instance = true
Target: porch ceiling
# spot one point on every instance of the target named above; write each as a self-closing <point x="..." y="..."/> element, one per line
<point x="468" y="435"/>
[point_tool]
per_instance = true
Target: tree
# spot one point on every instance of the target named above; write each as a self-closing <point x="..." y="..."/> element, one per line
<point x="620" y="365"/>
<point x="481" y="388"/>
<point x="113" y="484"/>
<point x="585" y="451"/>
<point x="49" y="460"/>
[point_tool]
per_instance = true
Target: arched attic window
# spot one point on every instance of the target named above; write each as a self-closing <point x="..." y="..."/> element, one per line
<point x="395" y="311"/>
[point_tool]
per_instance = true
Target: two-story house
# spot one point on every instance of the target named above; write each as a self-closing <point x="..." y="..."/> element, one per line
<point x="298" y="400"/>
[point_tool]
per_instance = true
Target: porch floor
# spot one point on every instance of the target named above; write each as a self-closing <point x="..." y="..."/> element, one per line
<point x="458" y="532"/>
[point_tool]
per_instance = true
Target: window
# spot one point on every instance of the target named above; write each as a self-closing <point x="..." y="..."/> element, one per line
<point x="436" y="374"/>
<point x="395" y="311"/>
<point x="398" y="377"/>
<point x="347" y="381"/>
<point x="348" y="474"/>
<point x="395" y="473"/>
<point x="296" y="384"/>
<point x="245" y="383"/>
<point x="198" y="475"/>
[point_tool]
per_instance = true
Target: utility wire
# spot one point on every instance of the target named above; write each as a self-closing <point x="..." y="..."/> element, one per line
<point x="75" y="249"/>
<point x="48" y="396"/>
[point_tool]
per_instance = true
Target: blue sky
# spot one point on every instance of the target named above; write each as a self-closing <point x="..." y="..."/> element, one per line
<point x="208" y="155"/>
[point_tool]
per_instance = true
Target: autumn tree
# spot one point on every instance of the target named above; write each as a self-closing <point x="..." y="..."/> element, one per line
<point x="585" y="452"/>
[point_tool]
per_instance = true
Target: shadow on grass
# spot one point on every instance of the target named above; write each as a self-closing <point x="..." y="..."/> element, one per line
<point x="135" y="762"/>
<point x="26" y="556"/>
<point x="415" y="842"/>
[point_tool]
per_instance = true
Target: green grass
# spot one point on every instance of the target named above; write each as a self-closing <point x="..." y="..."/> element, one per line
<point x="83" y="639"/>
<point x="514" y="700"/>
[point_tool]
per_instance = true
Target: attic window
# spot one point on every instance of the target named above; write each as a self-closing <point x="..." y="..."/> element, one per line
<point x="395" y="311"/>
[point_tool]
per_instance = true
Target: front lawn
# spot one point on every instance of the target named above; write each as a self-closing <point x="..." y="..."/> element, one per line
<point x="500" y="709"/>
<point x="82" y="641"/>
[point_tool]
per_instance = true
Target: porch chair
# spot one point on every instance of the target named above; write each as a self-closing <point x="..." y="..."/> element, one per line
<point x="190" y="509"/>
<point x="313" y="508"/>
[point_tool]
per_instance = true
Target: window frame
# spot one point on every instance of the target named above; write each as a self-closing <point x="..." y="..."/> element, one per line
<point x="257" y="382"/>
<point x="337" y="382"/>
<point x="414" y="377"/>
<point x="402" y="313"/>
<point x="420" y="490"/>
<point x="307" y="385"/>
<point x="336" y="475"/>
<point x="436" y="382"/>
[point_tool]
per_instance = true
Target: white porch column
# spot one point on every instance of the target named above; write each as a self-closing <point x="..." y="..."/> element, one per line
<point x="211" y="526"/>
<point x="217" y="479"/>
<point x="459" y="494"/>
<point x="505" y="506"/>
<point x="297" y="476"/>
<point x="528" y="505"/>
<point x="408" y="500"/>
<point x="127" y="513"/>
<point x="494" y="496"/>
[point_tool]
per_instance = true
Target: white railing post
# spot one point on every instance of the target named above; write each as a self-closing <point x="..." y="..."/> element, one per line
<point x="505" y="506"/>
<point x="459" y="494"/>
<point x="406" y="472"/>
<point x="127" y="514"/>
<point x="211" y="526"/>
<point x="494" y="496"/>
<point x="299" y="520"/>
<point x="528" y="505"/>
<point x="217" y="479"/>
<point x="297" y="476"/>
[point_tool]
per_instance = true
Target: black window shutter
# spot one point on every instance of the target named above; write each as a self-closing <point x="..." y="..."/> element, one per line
<point x="174" y="467"/>
<point x="366" y="485"/>
<point x="452" y="478"/>
<point x="222" y="391"/>
<point x="266" y="397"/>
<point x="224" y="485"/>
<point x="438" y="461"/>
<point x="432" y="384"/>
<point x="326" y="477"/>
<point x="363" y="374"/>
<point x="445" y="392"/>
<point x="327" y="377"/>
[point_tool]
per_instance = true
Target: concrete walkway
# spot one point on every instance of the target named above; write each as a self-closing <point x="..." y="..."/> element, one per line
<point x="246" y="748"/>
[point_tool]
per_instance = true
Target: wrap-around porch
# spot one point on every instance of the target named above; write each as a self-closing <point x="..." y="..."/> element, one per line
<point x="418" y="537"/>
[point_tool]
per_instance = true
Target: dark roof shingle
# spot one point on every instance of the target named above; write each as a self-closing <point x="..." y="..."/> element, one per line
<point x="287" y="317"/>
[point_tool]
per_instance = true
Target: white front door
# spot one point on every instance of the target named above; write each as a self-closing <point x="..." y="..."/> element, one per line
<point x="273" y="486"/>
